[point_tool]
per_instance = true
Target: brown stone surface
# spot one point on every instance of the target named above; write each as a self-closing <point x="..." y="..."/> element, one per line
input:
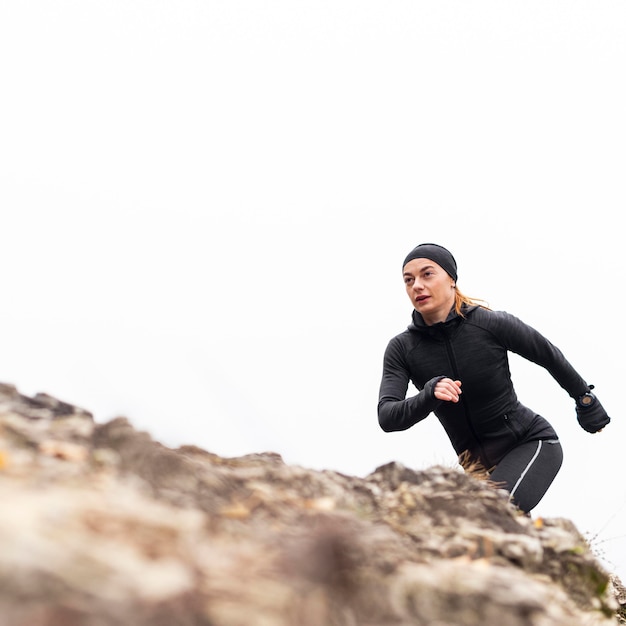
<point x="103" y="526"/>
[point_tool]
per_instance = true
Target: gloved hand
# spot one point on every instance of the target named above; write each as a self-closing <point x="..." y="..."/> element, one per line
<point x="590" y="413"/>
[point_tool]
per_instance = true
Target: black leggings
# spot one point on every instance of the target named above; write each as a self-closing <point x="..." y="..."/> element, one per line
<point x="527" y="471"/>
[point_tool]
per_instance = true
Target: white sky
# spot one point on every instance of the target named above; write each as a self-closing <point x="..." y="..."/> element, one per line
<point x="205" y="205"/>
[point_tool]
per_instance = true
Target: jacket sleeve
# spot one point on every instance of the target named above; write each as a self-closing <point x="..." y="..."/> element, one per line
<point x="395" y="410"/>
<point x="524" y="340"/>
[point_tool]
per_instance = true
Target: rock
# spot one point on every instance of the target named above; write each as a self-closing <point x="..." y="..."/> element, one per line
<point x="102" y="525"/>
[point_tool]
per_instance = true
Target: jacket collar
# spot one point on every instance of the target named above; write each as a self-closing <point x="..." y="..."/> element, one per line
<point x="418" y="323"/>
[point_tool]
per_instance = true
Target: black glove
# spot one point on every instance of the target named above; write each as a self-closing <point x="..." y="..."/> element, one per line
<point x="590" y="413"/>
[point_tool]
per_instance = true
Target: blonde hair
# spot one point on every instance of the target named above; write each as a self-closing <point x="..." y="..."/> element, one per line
<point x="460" y="299"/>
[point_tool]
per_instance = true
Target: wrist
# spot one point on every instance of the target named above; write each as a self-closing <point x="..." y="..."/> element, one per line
<point x="586" y="400"/>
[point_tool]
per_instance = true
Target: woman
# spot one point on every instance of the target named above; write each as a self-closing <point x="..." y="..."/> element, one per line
<point x="455" y="352"/>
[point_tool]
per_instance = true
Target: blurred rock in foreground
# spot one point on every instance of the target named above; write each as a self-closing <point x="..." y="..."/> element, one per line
<point x="102" y="526"/>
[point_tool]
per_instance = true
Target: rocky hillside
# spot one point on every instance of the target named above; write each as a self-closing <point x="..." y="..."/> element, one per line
<point x="102" y="526"/>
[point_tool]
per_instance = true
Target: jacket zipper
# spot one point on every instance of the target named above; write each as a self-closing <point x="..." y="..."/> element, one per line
<point x="468" y="419"/>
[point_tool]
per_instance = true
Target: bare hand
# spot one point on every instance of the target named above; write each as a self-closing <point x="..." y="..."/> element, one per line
<point x="448" y="390"/>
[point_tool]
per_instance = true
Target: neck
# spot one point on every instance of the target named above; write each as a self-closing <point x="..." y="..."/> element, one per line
<point x="441" y="315"/>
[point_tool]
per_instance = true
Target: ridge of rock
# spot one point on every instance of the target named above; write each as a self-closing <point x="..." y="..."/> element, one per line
<point x="102" y="525"/>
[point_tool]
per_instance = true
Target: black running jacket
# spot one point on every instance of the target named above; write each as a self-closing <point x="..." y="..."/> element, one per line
<point x="488" y="420"/>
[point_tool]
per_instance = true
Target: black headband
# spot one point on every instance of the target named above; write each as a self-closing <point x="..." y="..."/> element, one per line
<point x="435" y="253"/>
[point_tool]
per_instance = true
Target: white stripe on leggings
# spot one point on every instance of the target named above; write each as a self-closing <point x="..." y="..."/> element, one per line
<point x="521" y="478"/>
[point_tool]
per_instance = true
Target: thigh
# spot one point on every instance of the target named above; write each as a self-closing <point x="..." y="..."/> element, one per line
<point x="528" y="470"/>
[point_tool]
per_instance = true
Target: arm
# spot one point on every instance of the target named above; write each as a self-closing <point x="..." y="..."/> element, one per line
<point x="395" y="410"/>
<point x="524" y="340"/>
<point x="530" y="344"/>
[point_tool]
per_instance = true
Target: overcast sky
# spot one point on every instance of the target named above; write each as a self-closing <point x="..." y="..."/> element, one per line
<point x="205" y="206"/>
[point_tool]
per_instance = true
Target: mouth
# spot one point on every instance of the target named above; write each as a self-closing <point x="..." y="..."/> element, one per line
<point x="421" y="299"/>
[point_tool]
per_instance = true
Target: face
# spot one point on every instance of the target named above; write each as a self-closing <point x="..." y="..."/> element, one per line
<point x="430" y="288"/>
